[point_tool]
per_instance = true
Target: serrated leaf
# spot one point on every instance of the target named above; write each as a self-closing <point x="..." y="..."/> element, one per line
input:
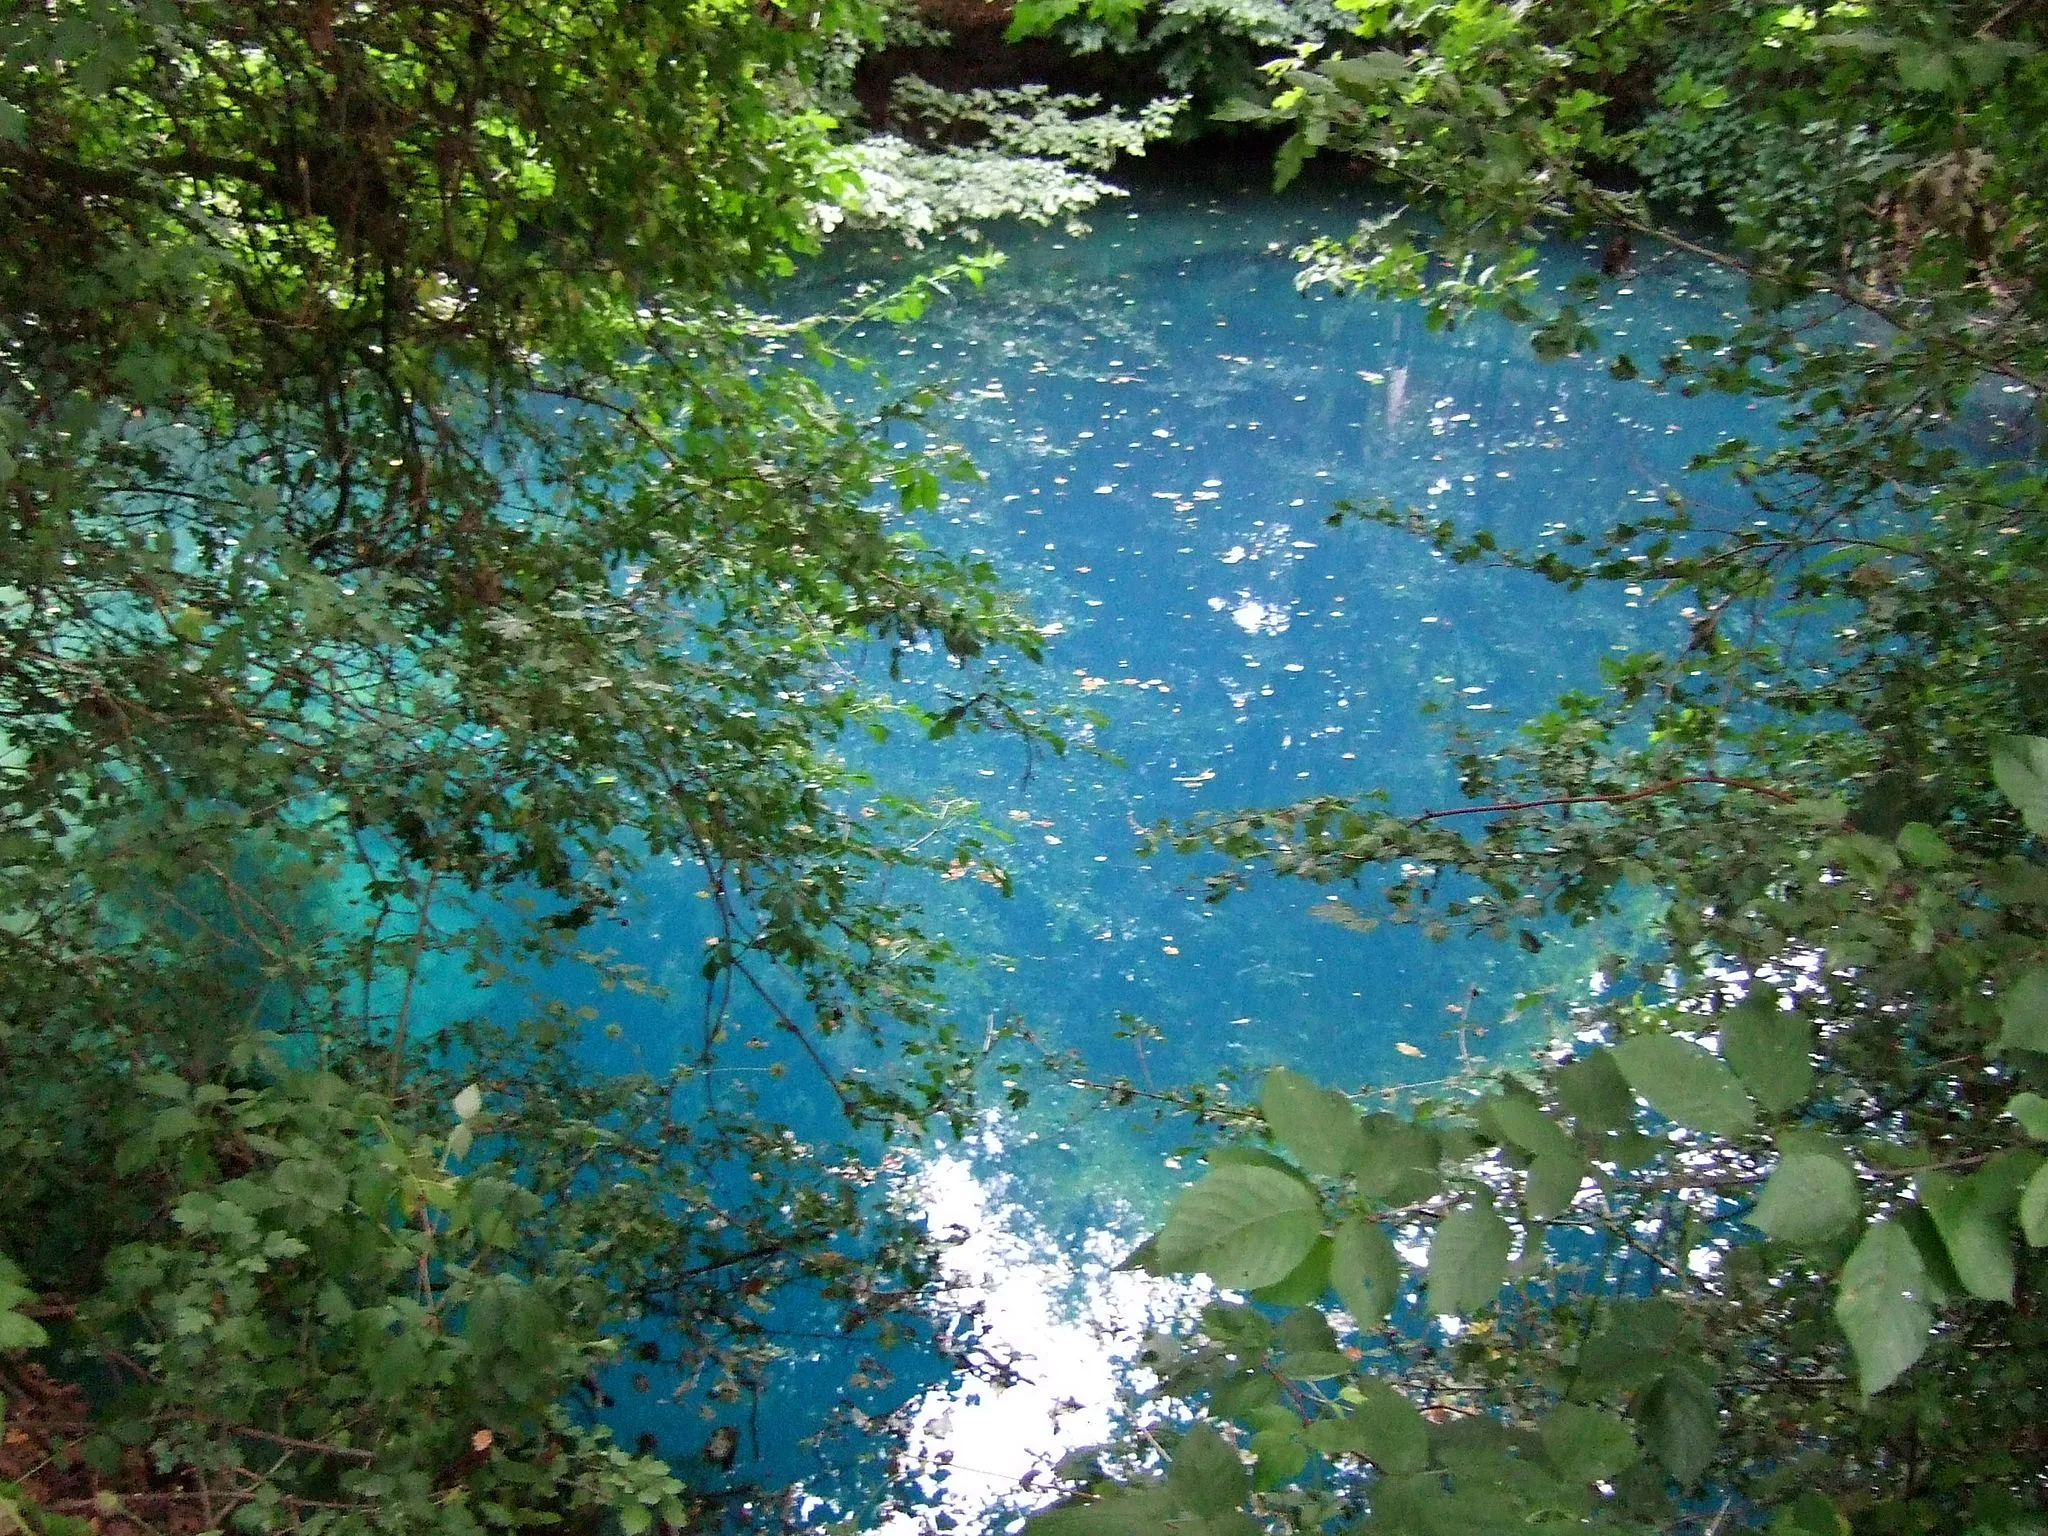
<point x="2019" y="766"/>
<point x="1881" y="1306"/>
<point x="1243" y="1225"/>
<point x="1596" y="1093"/>
<point x="1365" y="1271"/>
<point x="1809" y="1198"/>
<point x="1382" y="1426"/>
<point x="1206" y="1477"/>
<point x="1586" y="1445"/>
<point x="1771" y="1051"/>
<point x="2024" y="1012"/>
<point x="1304" y="1284"/>
<point x="1468" y="1261"/>
<point x="1686" y="1084"/>
<point x="1318" y="1126"/>
<point x="1681" y="1424"/>
<point x="1399" y="1163"/>
<point x="1973" y="1231"/>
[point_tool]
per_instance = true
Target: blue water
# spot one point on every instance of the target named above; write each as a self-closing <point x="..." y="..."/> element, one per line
<point x="1164" y="424"/>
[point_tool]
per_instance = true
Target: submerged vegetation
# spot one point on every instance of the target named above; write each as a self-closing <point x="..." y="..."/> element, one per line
<point x="407" y="537"/>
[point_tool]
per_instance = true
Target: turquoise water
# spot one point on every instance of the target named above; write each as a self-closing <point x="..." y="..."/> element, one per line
<point x="1164" y="424"/>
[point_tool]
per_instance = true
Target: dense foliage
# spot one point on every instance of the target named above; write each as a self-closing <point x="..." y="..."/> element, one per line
<point x="406" y="537"/>
<point x="1759" y="1242"/>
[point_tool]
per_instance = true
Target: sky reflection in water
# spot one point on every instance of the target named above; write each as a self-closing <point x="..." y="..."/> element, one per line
<point x="1164" y="424"/>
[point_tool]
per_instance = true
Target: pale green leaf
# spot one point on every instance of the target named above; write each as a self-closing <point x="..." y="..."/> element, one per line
<point x="1243" y="1225"/>
<point x="1973" y="1230"/>
<point x="2031" y="1110"/>
<point x="1317" y="1125"/>
<point x="1681" y="1424"/>
<point x="1809" y="1198"/>
<point x="1586" y="1445"/>
<point x="1771" y="1051"/>
<point x="2019" y="766"/>
<point x="2034" y="1209"/>
<point x="1468" y="1261"/>
<point x="1366" y="1272"/>
<point x="1686" y="1084"/>
<point x="1206" y="1477"/>
<point x="1882" y="1306"/>
<point x="2024" y="1012"/>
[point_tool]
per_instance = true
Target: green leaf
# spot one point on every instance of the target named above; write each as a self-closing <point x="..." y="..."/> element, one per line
<point x="2024" y="1012"/>
<point x="1586" y="1445"/>
<point x="2019" y="766"/>
<point x="1973" y="1230"/>
<point x="1681" y="1424"/>
<point x="1468" y="1261"/>
<point x="18" y="1332"/>
<point x="1128" y="1512"/>
<point x="1771" y="1050"/>
<point x="2031" y="1110"/>
<point x="1365" y="1271"/>
<point x="1686" y="1084"/>
<point x="1594" y="1090"/>
<point x="1382" y="1426"/>
<point x="1206" y="1477"/>
<point x="1245" y="1226"/>
<point x="1305" y="1283"/>
<point x="2033" y="1211"/>
<point x="1317" y="1125"/>
<point x="1281" y="1455"/>
<point x="1810" y="1198"/>
<point x="1399" y="1164"/>
<point x="1881" y="1306"/>
<point x="1553" y="1182"/>
<point x="1920" y="845"/>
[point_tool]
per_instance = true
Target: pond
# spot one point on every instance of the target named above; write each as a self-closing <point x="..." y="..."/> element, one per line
<point x="1164" y="424"/>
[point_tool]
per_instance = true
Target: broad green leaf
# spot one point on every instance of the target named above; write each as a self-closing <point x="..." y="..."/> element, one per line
<point x="1586" y="1445"/>
<point x="1369" y="71"/>
<point x="1281" y="1455"/>
<point x="1630" y="1350"/>
<point x="1304" y="1328"/>
<point x="1881" y="1306"/>
<point x="2024" y="1012"/>
<point x="1318" y="1125"/>
<point x="1594" y="1090"/>
<point x="1975" y="1233"/>
<point x="1771" y="1051"/>
<point x="1129" y="1512"/>
<point x="1206" y="1477"/>
<point x="1243" y="1225"/>
<point x="1919" y="844"/>
<point x="2033" y="1211"/>
<point x="2031" y="1110"/>
<point x="2019" y="766"/>
<point x="1468" y="1261"/>
<point x="1686" y="1084"/>
<point x="1365" y="1271"/>
<point x="1552" y="1182"/>
<point x="19" y="1332"/>
<point x="1383" y="1426"/>
<point x="1681" y="1423"/>
<point x="1809" y="1198"/>
<point x="1522" y="1122"/>
<point x="1399" y="1164"/>
<point x="1305" y="1283"/>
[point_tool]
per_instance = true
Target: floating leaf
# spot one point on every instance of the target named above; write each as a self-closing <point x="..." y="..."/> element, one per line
<point x="1771" y="1050"/>
<point x="1468" y="1260"/>
<point x="1365" y="1272"/>
<point x="1244" y="1225"/>
<point x="1881" y="1306"/>
<point x="1686" y="1084"/>
<point x="1809" y="1198"/>
<point x="1318" y="1125"/>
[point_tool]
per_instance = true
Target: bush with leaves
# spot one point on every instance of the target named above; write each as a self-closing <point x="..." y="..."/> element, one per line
<point x="1759" y="1243"/>
<point x="405" y="537"/>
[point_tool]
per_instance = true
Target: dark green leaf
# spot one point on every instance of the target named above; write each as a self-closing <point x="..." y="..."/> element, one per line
<point x="1809" y="1198"/>
<point x="1686" y="1084"/>
<point x="1365" y="1271"/>
<point x="1976" y="1234"/>
<point x="1206" y="1477"/>
<point x="1585" y="1445"/>
<point x="1681" y="1424"/>
<point x="1468" y="1261"/>
<point x="1771" y="1050"/>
